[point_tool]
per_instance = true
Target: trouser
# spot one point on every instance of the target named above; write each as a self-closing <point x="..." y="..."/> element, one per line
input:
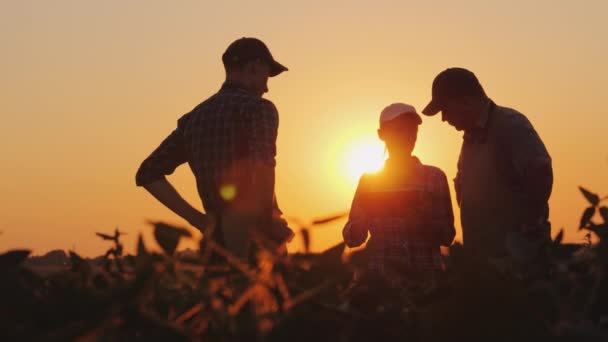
<point x="236" y="230"/>
<point x="232" y="232"/>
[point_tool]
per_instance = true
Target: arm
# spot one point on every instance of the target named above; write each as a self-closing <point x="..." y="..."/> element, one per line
<point x="151" y="175"/>
<point x="165" y="193"/>
<point x="531" y="165"/>
<point x="458" y="178"/>
<point x="264" y="130"/>
<point x="355" y="230"/>
<point x="538" y="180"/>
<point x="443" y="216"/>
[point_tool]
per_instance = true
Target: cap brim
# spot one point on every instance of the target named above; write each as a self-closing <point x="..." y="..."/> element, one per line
<point x="432" y="108"/>
<point x="277" y="68"/>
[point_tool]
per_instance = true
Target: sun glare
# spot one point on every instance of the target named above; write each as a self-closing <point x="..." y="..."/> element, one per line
<point x="366" y="155"/>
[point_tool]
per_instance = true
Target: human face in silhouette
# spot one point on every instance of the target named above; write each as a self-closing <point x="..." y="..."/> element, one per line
<point x="459" y="113"/>
<point x="399" y="135"/>
<point x="257" y="75"/>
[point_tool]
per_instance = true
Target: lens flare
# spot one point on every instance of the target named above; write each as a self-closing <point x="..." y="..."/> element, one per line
<point x="228" y="192"/>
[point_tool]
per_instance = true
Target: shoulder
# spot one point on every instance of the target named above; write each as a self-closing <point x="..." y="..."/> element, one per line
<point x="186" y="119"/>
<point x="254" y="105"/>
<point x="513" y="127"/>
<point x="432" y="172"/>
<point x="263" y="113"/>
<point x="265" y="106"/>
<point x="237" y="100"/>
<point x="366" y="179"/>
<point x="369" y="181"/>
<point x="428" y="170"/>
<point x="434" y="180"/>
<point x="511" y="119"/>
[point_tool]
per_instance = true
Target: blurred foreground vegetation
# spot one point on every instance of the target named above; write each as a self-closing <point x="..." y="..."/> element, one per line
<point x="306" y="296"/>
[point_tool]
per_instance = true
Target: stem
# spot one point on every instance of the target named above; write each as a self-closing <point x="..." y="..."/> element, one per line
<point x="594" y="291"/>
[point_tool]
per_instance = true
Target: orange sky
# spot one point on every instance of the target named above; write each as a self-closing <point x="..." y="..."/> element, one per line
<point x="89" y="89"/>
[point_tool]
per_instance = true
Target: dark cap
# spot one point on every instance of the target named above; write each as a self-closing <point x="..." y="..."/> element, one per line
<point x="245" y="50"/>
<point x="452" y="83"/>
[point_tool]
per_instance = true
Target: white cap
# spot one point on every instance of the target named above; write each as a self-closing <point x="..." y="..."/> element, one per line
<point x="397" y="109"/>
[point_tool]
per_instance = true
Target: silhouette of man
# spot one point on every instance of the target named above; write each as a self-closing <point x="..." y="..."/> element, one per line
<point x="229" y="142"/>
<point x="406" y="207"/>
<point x="504" y="177"/>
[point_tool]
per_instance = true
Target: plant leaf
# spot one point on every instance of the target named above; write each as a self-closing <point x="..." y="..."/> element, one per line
<point x="305" y="239"/>
<point x="587" y="215"/>
<point x="334" y="253"/>
<point x="329" y="219"/>
<point x="559" y="238"/>
<point x="600" y="230"/>
<point x="591" y="197"/>
<point x="75" y="259"/>
<point x="143" y="261"/>
<point x="79" y="265"/>
<point x="105" y="236"/>
<point x="141" y="247"/>
<point x="604" y="213"/>
<point x="168" y="236"/>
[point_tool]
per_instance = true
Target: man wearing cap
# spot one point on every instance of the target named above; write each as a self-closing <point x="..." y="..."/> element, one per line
<point x="405" y="207"/>
<point x="504" y="176"/>
<point x="229" y="143"/>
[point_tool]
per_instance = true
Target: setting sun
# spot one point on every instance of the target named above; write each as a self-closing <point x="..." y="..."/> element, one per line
<point x="365" y="155"/>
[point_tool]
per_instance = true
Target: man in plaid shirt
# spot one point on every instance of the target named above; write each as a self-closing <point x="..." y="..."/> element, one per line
<point x="229" y="142"/>
<point x="406" y="207"/>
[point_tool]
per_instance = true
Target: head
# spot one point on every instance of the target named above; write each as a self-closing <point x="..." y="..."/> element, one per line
<point x="399" y="129"/>
<point x="249" y="62"/>
<point x="459" y="96"/>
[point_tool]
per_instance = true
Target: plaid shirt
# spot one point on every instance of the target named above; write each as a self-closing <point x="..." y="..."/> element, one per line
<point x="408" y="213"/>
<point x="218" y="139"/>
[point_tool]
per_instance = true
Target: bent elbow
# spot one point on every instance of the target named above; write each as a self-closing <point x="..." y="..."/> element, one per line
<point x="145" y="175"/>
<point x="140" y="176"/>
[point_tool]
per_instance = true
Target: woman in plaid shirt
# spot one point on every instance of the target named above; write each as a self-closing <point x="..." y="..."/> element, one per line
<point x="406" y="207"/>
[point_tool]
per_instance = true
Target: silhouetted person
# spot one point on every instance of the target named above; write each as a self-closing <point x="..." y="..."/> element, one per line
<point x="405" y="207"/>
<point x="504" y="174"/>
<point x="229" y="142"/>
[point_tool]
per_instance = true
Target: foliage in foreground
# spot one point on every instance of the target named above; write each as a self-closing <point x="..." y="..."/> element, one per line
<point x="213" y="296"/>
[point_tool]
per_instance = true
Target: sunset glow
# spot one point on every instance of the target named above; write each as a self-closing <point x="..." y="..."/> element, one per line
<point x="366" y="155"/>
<point x="90" y="89"/>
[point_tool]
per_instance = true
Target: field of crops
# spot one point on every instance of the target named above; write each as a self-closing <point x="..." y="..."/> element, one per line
<point x="213" y="296"/>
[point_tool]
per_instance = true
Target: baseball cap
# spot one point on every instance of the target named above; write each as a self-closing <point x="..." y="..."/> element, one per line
<point x="396" y="110"/>
<point x="452" y="83"/>
<point x="248" y="49"/>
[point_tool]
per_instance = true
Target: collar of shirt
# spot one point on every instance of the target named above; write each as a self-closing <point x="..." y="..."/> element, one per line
<point x="400" y="164"/>
<point x="482" y="120"/>
<point x="233" y="86"/>
<point x="479" y="134"/>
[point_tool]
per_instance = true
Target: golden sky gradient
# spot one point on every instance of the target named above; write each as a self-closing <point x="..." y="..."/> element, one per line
<point x="90" y="88"/>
